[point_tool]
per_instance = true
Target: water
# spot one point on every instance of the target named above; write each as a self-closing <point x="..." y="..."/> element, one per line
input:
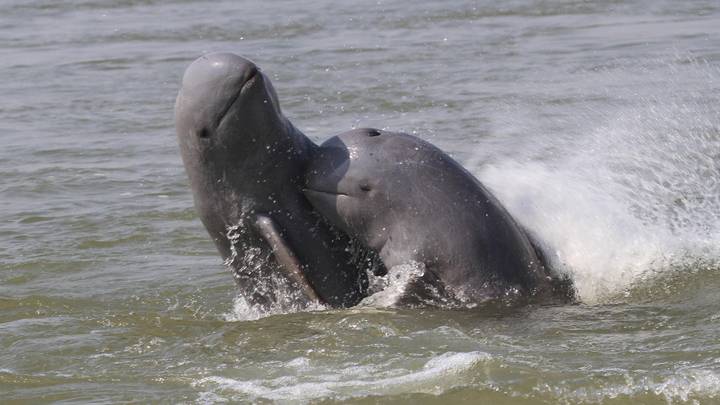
<point x="596" y="124"/>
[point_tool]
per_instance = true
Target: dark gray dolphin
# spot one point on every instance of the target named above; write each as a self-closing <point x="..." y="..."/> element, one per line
<point x="245" y="162"/>
<point x="411" y="202"/>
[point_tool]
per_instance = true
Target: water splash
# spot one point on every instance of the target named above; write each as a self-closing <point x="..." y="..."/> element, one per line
<point x="406" y="286"/>
<point x="631" y="189"/>
<point x="264" y="291"/>
<point x="386" y="290"/>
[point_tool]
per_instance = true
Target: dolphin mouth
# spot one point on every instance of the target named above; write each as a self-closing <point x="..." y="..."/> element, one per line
<point x="315" y="191"/>
<point x="254" y="71"/>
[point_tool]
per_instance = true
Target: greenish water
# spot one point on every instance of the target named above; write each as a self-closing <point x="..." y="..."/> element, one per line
<point x="597" y="124"/>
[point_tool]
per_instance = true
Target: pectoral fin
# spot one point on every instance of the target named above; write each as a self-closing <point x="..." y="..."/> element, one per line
<point x="284" y="255"/>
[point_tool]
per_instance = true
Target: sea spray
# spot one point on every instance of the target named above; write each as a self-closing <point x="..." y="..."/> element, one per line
<point x="631" y="190"/>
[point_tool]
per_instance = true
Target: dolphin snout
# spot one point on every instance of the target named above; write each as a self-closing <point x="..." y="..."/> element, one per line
<point x="327" y="169"/>
<point x="223" y="70"/>
<point x="211" y="85"/>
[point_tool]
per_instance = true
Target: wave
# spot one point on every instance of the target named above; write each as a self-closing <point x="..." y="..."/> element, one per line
<point x="439" y="374"/>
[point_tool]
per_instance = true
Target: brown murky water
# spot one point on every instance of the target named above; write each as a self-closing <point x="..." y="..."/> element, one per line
<point x="596" y="124"/>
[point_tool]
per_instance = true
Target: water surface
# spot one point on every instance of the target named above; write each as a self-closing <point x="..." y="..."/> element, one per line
<point x="596" y="123"/>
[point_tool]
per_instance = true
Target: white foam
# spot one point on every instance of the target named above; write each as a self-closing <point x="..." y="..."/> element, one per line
<point x="687" y="386"/>
<point x="439" y="374"/>
<point x="207" y="398"/>
<point x="704" y="383"/>
<point x="242" y="310"/>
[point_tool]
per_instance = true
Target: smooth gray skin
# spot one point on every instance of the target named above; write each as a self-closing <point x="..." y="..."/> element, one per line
<point x="411" y="202"/>
<point x="245" y="162"/>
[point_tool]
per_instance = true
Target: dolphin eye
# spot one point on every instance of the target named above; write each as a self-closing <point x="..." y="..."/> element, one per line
<point x="365" y="187"/>
<point x="204" y="133"/>
<point x="373" y="132"/>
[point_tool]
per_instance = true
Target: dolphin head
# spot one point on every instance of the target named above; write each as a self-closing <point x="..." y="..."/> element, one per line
<point x="226" y="111"/>
<point x="231" y="133"/>
<point x="358" y="181"/>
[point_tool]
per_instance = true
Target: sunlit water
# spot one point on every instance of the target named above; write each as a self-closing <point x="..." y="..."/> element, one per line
<point x="598" y="125"/>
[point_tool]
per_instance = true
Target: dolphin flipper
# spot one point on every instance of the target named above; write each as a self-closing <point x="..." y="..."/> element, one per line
<point x="289" y="264"/>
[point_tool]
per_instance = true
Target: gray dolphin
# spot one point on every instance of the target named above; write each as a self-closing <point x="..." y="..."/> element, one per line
<point x="245" y="162"/>
<point x="411" y="202"/>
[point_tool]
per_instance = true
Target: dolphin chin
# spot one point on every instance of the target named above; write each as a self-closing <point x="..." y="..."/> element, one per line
<point x="314" y="192"/>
